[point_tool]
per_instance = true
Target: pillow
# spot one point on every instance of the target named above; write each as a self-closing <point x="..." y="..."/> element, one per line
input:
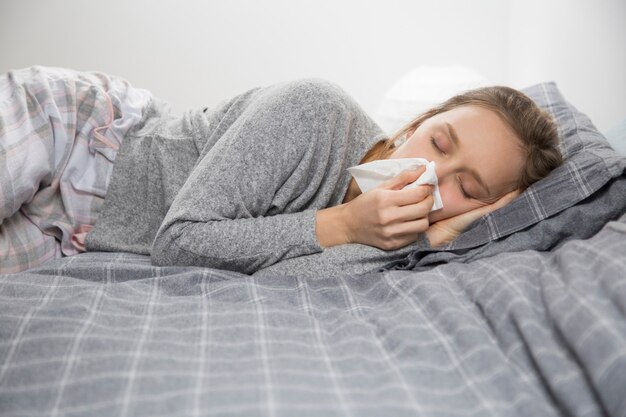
<point x="422" y="88"/>
<point x="573" y="202"/>
<point x="617" y="137"/>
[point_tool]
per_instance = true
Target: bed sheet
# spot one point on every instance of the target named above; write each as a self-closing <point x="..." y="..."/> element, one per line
<point x="517" y="334"/>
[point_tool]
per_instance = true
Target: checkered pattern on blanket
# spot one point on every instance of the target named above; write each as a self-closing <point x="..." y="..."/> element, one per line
<point x="518" y="334"/>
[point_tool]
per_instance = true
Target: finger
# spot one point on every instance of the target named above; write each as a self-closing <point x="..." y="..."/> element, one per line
<point x="416" y="210"/>
<point x="410" y="196"/>
<point x="402" y="179"/>
<point x="504" y="200"/>
<point x="511" y="196"/>
<point x="413" y="227"/>
<point x="501" y="202"/>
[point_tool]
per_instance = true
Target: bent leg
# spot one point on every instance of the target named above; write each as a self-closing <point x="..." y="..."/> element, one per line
<point x="27" y="142"/>
<point x="23" y="245"/>
<point x="60" y="131"/>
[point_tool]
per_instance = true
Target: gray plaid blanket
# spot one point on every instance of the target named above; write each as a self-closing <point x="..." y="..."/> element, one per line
<point x="517" y="334"/>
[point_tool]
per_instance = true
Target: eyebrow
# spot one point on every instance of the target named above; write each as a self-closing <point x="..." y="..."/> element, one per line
<point x="473" y="173"/>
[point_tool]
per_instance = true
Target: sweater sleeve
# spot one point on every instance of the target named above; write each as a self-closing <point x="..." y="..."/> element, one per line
<point x="351" y="258"/>
<point x="241" y="208"/>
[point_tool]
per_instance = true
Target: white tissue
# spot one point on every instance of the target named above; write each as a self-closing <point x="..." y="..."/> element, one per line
<point x="370" y="174"/>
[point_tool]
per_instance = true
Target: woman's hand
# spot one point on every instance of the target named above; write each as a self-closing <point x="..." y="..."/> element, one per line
<point x="387" y="216"/>
<point x="446" y="230"/>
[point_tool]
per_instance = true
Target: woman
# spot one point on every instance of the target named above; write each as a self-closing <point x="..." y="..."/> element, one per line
<point x="262" y="177"/>
<point x="489" y="145"/>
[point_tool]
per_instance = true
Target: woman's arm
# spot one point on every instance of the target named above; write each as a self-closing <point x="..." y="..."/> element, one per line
<point x="331" y="226"/>
<point x="251" y="201"/>
<point x="244" y="245"/>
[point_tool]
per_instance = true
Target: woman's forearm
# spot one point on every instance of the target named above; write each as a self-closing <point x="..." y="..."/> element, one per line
<point x="242" y="244"/>
<point x="331" y="226"/>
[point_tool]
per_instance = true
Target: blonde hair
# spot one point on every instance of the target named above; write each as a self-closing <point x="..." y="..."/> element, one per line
<point x="535" y="127"/>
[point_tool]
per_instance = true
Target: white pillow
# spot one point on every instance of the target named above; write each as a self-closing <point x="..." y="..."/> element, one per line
<point x="422" y="88"/>
<point x="617" y="137"/>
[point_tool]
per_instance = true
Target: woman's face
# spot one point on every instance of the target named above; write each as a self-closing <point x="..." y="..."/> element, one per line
<point x="478" y="157"/>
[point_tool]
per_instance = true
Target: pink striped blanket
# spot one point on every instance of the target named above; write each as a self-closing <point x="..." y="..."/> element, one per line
<point x="60" y="130"/>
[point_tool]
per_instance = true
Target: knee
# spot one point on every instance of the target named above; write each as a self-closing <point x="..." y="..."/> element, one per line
<point x="32" y="248"/>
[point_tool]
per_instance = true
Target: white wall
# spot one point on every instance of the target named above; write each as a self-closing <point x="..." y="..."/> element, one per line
<point x="195" y="53"/>
<point x="579" y="44"/>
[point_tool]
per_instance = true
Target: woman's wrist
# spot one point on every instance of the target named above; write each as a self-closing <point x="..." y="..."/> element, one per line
<point x="331" y="226"/>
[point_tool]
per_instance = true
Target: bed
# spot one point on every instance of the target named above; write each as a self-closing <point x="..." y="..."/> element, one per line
<point x="523" y="315"/>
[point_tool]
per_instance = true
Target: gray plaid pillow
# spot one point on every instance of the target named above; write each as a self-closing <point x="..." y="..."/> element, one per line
<point x="574" y="201"/>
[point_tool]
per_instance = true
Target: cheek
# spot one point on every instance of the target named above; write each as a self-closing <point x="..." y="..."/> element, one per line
<point x="453" y="203"/>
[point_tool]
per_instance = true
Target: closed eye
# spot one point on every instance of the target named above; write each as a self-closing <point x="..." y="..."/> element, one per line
<point x="465" y="194"/>
<point x="434" y="143"/>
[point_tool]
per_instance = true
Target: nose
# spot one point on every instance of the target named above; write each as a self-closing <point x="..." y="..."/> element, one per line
<point x="444" y="169"/>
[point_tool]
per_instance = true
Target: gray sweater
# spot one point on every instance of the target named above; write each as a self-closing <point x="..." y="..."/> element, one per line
<point x="238" y="187"/>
